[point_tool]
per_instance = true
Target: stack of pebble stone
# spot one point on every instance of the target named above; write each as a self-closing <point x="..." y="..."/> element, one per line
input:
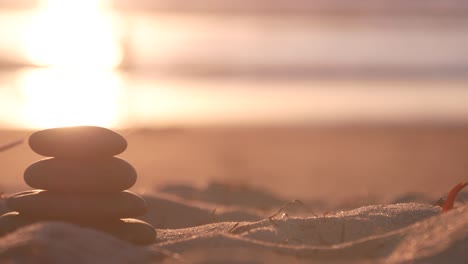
<point x="83" y="183"/>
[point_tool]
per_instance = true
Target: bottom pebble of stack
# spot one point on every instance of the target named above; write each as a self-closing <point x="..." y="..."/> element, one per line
<point x="127" y="229"/>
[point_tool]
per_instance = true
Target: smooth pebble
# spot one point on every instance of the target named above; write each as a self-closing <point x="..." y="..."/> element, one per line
<point x="77" y="207"/>
<point x="77" y="142"/>
<point x="66" y="175"/>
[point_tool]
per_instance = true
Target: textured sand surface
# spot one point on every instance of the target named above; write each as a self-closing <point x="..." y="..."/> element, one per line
<point x="397" y="233"/>
<point x="365" y="194"/>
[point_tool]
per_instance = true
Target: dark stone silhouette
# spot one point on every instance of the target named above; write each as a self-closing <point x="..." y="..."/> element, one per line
<point x="96" y="176"/>
<point x="77" y="142"/>
<point x="82" y="184"/>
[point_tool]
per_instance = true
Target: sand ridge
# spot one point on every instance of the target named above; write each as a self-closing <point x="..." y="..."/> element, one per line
<point x="380" y="233"/>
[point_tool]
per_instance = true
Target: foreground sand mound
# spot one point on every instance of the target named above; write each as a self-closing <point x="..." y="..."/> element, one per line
<point x="376" y="234"/>
<point x="387" y="234"/>
<point x="317" y="231"/>
<point x="57" y="242"/>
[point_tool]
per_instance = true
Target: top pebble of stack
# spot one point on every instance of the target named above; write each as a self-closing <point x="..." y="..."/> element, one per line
<point x="77" y="142"/>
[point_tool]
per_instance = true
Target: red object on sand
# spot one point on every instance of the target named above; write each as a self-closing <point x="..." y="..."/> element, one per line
<point x="448" y="205"/>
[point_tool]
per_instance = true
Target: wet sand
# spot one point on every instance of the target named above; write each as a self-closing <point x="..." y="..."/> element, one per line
<point x="368" y="163"/>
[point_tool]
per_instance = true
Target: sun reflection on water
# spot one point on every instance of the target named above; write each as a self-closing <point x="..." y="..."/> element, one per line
<point x="63" y="97"/>
<point x="75" y="42"/>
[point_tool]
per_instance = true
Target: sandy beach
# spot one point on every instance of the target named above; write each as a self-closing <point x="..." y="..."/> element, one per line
<point x="349" y="194"/>
<point x="285" y="131"/>
<point x="341" y="164"/>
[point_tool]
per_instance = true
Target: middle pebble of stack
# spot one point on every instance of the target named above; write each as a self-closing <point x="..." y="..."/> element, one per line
<point x="83" y="183"/>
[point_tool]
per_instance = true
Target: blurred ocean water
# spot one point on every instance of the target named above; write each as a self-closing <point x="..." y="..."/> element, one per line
<point x="246" y="43"/>
<point x="198" y="68"/>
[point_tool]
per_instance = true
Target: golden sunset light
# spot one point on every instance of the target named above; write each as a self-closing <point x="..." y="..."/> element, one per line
<point x="76" y="43"/>
<point x="72" y="34"/>
<point x="221" y="131"/>
<point x="61" y="97"/>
